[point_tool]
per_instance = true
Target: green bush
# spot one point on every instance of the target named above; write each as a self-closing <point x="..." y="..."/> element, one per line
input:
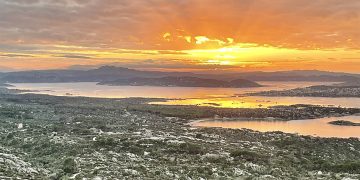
<point x="69" y="166"/>
<point x="191" y="148"/>
<point x="348" y="167"/>
<point x="105" y="141"/>
<point x="248" y="155"/>
<point x="81" y="131"/>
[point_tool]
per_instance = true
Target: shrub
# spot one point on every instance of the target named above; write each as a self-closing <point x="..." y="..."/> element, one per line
<point x="69" y="166"/>
<point x="348" y="167"/>
<point x="248" y="155"/>
<point x="105" y="141"/>
<point x="191" y="148"/>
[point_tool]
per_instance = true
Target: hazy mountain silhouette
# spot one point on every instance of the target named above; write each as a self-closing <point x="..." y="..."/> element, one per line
<point x="182" y="82"/>
<point x="112" y="73"/>
<point x="105" y="73"/>
<point x="297" y="75"/>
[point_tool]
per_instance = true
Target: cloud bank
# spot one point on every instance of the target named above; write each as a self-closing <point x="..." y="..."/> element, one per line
<point x="29" y="27"/>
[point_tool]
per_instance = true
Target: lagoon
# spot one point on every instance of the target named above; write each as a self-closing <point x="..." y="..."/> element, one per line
<point x="313" y="127"/>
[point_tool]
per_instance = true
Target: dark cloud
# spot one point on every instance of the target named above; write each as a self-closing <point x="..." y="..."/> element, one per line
<point x="71" y="56"/>
<point x="80" y="30"/>
<point x="140" y="24"/>
<point x="15" y="55"/>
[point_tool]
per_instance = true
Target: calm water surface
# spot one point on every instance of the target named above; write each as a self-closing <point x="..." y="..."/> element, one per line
<point x="314" y="127"/>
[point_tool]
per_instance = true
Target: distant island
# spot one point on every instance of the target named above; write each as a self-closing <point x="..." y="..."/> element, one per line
<point x="184" y="81"/>
<point x="344" y="123"/>
<point x="340" y="90"/>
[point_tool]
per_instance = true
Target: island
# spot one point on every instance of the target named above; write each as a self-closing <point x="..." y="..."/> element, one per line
<point x="344" y="123"/>
<point x="340" y="90"/>
<point x="183" y="81"/>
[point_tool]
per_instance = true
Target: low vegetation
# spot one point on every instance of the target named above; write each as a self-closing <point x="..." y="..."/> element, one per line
<point x="47" y="137"/>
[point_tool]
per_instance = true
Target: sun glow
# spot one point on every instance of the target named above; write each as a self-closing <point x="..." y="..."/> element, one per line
<point x="167" y="36"/>
<point x="236" y="55"/>
<point x="185" y="35"/>
<point x="219" y="62"/>
<point x="201" y="52"/>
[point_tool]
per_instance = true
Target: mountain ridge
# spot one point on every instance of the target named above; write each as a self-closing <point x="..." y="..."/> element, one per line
<point x="112" y="73"/>
<point x="185" y="81"/>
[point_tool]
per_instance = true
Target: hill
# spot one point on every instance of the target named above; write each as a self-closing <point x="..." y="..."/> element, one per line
<point x="297" y="75"/>
<point x="112" y="73"/>
<point x="182" y="82"/>
<point x="105" y="73"/>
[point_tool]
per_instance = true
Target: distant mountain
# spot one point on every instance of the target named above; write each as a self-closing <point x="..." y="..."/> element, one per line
<point x="349" y="83"/>
<point x="320" y="78"/>
<point x="244" y="83"/>
<point x="5" y="69"/>
<point x="298" y="75"/>
<point x="182" y="82"/>
<point x="83" y="67"/>
<point x="105" y="73"/>
<point x="112" y="73"/>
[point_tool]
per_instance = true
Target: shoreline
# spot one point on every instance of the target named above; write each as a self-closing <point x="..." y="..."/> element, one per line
<point x="329" y="91"/>
<point x="224" y="124"/>
<point x="148" y="102"/>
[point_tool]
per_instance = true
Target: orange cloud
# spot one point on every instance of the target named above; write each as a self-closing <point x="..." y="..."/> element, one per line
<point x="250" y="34"/>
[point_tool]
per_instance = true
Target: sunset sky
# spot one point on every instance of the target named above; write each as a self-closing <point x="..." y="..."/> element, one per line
<point x="181" y="35"/>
